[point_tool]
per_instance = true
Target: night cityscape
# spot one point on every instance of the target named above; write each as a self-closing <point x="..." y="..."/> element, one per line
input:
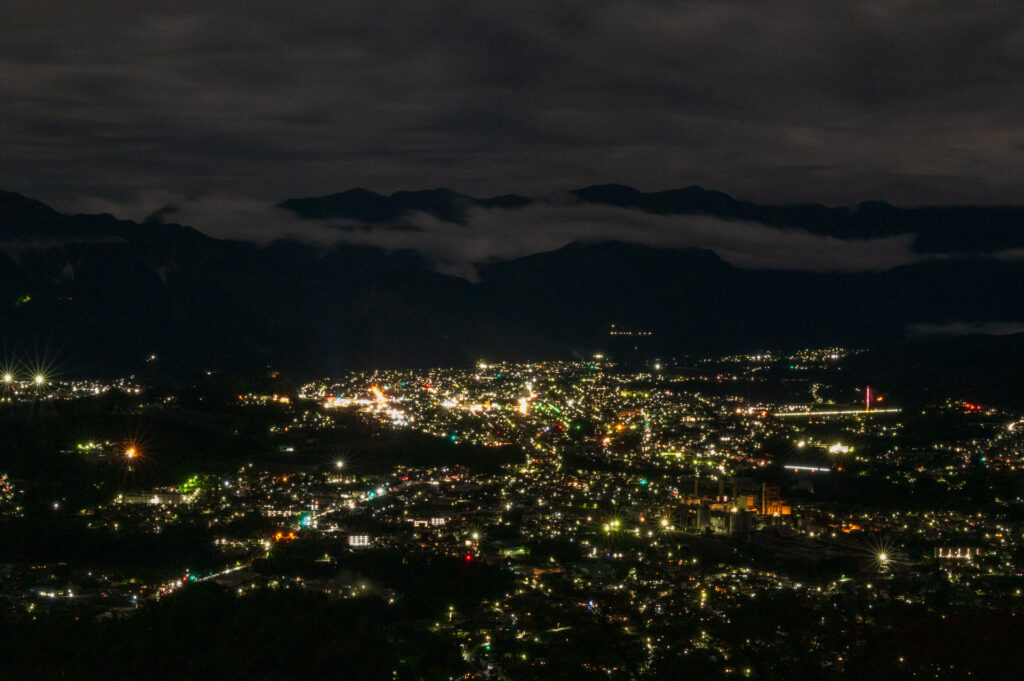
<point x="746" y="516"/>
<point x="293" y="386"/>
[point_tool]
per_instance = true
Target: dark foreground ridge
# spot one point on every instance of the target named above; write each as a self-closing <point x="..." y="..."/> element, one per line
<point x="103" y="295"/>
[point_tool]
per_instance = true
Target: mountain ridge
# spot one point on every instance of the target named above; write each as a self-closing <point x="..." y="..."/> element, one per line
<point x="105" y="304"/>
<point x="936" y="229"/>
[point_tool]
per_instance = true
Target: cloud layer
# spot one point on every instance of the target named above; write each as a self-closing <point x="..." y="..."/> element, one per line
<point x="911" y="101"/>
<point x="499" y="234"/>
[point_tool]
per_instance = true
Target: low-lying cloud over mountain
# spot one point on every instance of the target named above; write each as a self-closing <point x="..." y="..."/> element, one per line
<point x="542" y="280"/>
<point x="459" y="233"/>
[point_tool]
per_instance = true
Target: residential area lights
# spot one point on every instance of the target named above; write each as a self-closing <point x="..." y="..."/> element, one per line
<point x="673" y="502"/>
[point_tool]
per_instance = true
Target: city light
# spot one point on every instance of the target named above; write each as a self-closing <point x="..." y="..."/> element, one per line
<point x="836" y="412"/>
<point x="632" y="486"/>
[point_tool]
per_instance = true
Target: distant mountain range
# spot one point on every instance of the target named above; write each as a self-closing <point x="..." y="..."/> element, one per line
<point x="936" y="229"/>
<point x="101" y="295"/>
<point x="363" y="205"/>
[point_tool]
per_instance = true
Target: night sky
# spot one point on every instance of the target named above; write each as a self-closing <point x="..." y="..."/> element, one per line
<point x="124" y="107"/>
<point x="773" y="101"/>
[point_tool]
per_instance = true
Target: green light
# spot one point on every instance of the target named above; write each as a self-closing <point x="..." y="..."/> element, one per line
<point x="191" y="485"/>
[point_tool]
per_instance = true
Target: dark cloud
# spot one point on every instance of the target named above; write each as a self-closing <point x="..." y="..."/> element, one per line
<point x="910" y="101"/>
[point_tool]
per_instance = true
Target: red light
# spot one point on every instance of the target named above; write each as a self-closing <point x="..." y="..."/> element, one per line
<point x="468" y="557"/>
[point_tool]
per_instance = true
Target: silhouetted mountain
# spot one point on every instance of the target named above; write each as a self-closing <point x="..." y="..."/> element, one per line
<point x="942" y="229"/>
<point x="504" y="201"/>
<point x="25" y="220"/>
<point x="103" y="294"/>
<point x="162" y="214"/>
<point x="936" y="229"/>
<point x="366" y="206"/>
